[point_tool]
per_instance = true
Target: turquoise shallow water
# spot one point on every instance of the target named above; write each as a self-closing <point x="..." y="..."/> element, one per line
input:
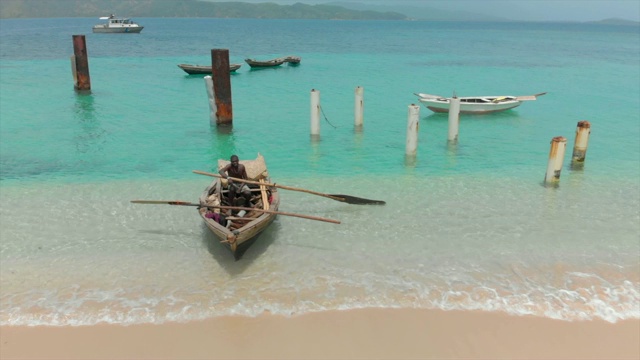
<point x="466" y="226"/>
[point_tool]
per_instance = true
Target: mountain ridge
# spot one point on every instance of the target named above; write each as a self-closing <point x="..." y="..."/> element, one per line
<point x="335" y="10"/>
<point x="184" y="8"/>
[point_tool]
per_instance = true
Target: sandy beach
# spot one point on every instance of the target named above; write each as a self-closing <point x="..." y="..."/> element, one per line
<point x="353" y="334"/>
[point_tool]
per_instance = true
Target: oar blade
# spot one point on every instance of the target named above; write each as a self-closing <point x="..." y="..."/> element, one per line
<point x="358" y="201"/>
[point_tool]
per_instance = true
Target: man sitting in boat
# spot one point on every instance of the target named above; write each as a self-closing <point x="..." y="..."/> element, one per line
<point x="236" y="170"/>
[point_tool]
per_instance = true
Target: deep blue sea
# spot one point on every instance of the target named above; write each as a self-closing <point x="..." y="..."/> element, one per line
<point x="467" y="226"/>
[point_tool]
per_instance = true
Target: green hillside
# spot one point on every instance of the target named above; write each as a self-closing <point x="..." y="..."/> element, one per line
<point x="183" y="8"/>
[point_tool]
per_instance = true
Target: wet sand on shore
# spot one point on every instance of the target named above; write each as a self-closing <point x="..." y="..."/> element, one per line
<point x="352" y="334"/>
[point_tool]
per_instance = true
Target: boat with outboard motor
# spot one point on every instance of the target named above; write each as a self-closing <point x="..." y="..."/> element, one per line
<point x="117" y="25"/>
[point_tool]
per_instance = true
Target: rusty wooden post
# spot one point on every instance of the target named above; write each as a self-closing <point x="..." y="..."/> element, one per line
<point x="556" y="158"/>
<point x="222" y="86"/>
<point x="80" y="64"/>
<point x="582" y="140"/>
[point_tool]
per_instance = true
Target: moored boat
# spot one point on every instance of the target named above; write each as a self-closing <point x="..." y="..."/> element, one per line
<point x="117" y="25"/>
<point x="474" y="104"/>
<point x="292" y="60"/>
<point x="238" y="230"/>
<point x="266" y="63"/>
<point x="204" y="69"/>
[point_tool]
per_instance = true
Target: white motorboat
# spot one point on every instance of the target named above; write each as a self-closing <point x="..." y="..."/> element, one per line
<point x="117" y="25"/>
<point x="474" y="104"/>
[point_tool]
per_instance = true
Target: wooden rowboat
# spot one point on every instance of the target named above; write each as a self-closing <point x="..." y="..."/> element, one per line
<point x="266" y="63"/>
<point x="238" y="231"/>
<point x="292" y="60"/>
<point x="204" y="69"/>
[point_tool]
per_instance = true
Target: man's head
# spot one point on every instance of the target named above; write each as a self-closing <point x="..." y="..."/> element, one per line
<point x="234" y="160"/>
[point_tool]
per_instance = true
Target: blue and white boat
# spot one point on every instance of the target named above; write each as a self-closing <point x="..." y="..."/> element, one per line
<point x="117" y="25"/>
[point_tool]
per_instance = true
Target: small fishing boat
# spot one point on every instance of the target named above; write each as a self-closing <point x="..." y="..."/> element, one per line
<point x="292" y="60"/>
<point x="266" y="63"/>
<point x="238" y="230"/>
<point x="117" y="25"/>
<point x="475" y="104"/>
<point x="204" y="69"/>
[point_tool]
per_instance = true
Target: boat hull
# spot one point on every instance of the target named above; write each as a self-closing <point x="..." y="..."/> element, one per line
<point x="114" y="30"/>
<point x="243" y="240"/>
<point x="291" y="60"/>
<point x="264" y="64"/>
<point x="204" y="69"/>
<point x="475" y="104"/>
<point x="471" y="108"/>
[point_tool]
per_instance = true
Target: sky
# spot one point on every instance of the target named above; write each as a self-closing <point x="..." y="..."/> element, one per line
<point x="528" y="10"/>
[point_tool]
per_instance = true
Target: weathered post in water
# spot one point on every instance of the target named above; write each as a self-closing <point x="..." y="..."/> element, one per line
<point x="582" y="140"/>
<point x="359" y="108"/>
<point x="556" y="158"/>
<point x="80" y="64"/>
<point x="315" y="113"/>
<point x="454" y="118"/>
<point x="213" y="109"/>
<point x="222" y="86"/>
<point x="413" y="124"/>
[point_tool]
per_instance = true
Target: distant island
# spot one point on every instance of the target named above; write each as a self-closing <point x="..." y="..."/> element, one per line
<point x="184" y="8"/>
<point x="335" y="10"/>
<point x="461" y="13"/>
<point x="616" y="22"/>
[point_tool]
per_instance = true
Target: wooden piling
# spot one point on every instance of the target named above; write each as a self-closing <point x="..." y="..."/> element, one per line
<point x="413" y="124"/>
<point x="582" y="140"/>
<point x="454" y="118"/>
<point x="222" y="86"/>
<point x="315" y="113"/>
<point x="80" y="64"/>
<point x="556" y="158"/>
<point x="213" y="109"/>
<point x="359" y="107"/>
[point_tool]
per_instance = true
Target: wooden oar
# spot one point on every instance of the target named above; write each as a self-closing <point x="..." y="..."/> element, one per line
<point x="529" y="97"/>
<point x="338" y="197"/>
<point x="185" y="203"/>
